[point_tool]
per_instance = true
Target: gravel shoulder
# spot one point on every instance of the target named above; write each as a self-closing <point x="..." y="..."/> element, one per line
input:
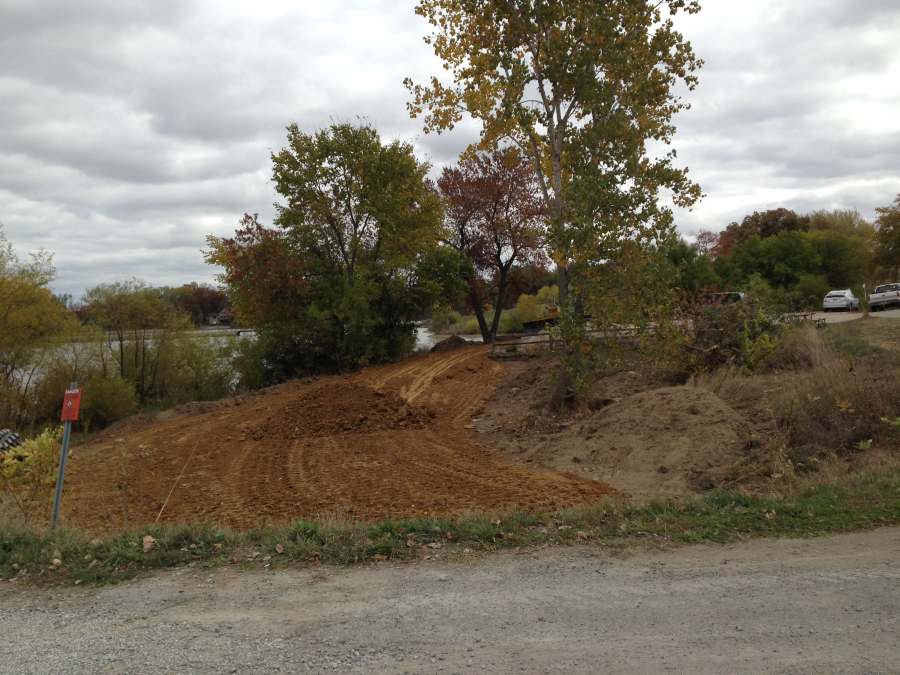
<point x="821" y="605"/>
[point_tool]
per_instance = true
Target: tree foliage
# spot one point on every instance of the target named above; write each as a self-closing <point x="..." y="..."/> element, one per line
<point x="139" y="325"/>
<point x="31" y="321"/>
<point x="791" y="259"/>
<point x="888" y="237"/>
<point x="580" y="89"/>
<point x="495" y="220"/>
<point x="352" y="261"/>
<point x="200" y="302"/>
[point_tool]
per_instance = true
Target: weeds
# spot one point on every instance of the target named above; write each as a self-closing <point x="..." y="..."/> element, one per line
<point x="71" y="557"/>
<point x="839" y="407"/>
<point x="28" y="474"/>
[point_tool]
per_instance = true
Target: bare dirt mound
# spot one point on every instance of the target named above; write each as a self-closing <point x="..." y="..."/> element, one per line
<point x="390" y="441"/>
<point x="659" y="442"/>
<point x="450" y="344"/>
<point x="336" y="407"/>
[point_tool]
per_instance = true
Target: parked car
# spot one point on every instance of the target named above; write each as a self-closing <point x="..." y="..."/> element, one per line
<point x="884" y="296"/>
<point x="837" y="300"/>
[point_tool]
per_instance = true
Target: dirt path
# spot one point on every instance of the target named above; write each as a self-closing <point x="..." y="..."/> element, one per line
<point x="388" y="441"/>
<point x="813" y="606"/>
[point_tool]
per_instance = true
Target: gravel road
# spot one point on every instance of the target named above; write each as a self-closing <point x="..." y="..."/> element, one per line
<point x="824" y="605"/>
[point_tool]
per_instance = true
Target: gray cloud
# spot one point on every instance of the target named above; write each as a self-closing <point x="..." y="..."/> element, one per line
<point x="131" y="130"/>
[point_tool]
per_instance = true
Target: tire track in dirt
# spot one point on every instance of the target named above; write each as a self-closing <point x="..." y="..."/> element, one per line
<point x="405" y="452"/>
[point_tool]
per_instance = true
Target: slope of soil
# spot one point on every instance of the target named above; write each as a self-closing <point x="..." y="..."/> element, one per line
<point x="388" y="441"/>
<point x="645" y="440"/>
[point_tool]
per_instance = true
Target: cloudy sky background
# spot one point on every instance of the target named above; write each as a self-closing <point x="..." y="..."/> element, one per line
<point x="131" y="129"/>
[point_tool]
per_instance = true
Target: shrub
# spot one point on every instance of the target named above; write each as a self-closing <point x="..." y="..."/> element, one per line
<point x="468" y="325"/>
<point x="739" y="334"/>
<point x="443" y="317"/>
<point x="799" y="348"/>
<point x="28" y="473"/>
<point x="809" y="291"/>
<point x="838" y="407"/>
<point x="248" y="361"/>
<point x="106" y="400"/>
<point x="199" y="370"/>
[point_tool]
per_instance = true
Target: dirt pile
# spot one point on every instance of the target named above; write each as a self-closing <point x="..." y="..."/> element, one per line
<point x="339" y="407"/>
<point x="366" y="446"/>
<point x="660" y="442"/>
<point x="663" y="442"/>
<point x="450" y="344"/>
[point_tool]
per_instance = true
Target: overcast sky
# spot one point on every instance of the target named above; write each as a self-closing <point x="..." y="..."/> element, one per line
<point x="130" y="129"/>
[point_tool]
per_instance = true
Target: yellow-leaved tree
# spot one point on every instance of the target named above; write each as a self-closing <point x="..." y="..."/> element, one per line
<point x="583" y="89"/>
<point x="31" y="320"/>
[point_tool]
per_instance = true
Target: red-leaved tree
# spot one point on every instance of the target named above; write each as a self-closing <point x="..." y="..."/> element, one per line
<point x="495" y="217"/>
<point x="263" y="275"/>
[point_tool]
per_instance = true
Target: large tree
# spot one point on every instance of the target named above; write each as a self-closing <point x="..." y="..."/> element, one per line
<point x="495" y="219"/>
<point x="582" y="88"/>
<point x="339" y="282"/>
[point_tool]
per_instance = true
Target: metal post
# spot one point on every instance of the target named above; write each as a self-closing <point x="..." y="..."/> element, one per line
<point x="57" y="500"/>
<point x="71" y="405"/>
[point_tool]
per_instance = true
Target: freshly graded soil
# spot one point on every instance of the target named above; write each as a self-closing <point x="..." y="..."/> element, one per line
<point x="388" y="441"/>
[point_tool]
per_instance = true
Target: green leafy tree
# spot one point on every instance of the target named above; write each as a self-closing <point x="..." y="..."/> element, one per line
<point x="888" y="237"/>
<point x="581" y="89"/>
<point x="695" y="270"/>
<point x="352" y="262"/>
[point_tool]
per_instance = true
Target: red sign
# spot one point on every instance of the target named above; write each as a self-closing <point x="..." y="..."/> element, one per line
<point x="71" y="405"/>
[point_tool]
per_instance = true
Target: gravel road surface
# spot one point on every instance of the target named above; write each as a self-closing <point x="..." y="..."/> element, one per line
<point x="812" y="606"/>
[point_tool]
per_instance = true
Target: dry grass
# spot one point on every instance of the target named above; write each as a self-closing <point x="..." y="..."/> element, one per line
<point x="800" y="349"/>
<point x="840" y="406"/>
<point x="815" y="405"/>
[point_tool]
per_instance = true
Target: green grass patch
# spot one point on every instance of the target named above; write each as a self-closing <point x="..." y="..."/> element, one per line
<point x="66" y="556"/>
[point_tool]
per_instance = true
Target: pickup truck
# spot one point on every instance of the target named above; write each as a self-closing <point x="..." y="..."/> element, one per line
<point x="884" y="296"/>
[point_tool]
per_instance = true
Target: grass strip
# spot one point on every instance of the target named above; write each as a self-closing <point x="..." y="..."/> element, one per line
<point x="68" y="556"/>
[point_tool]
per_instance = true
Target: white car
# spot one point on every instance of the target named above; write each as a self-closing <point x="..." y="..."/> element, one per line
<point x="884" y="296"/>
<point x="837" y="300"/>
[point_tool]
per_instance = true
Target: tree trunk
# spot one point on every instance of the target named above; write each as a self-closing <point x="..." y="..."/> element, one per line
<point x="563" y="283"/>
<point x="479" y="313"/>
<point x="498" y="305"/>
<point x="558" y="215"/>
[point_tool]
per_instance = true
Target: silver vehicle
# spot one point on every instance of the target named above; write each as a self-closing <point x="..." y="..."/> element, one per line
<point x="884" y="296"/>
<point x="840" y="300"/>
